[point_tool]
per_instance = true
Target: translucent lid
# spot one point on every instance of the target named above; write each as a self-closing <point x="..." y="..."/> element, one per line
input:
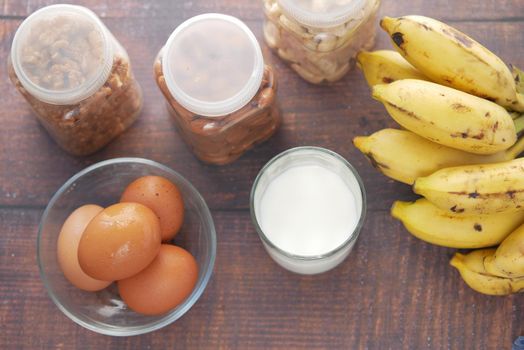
<point x="213" y="64"/>
<point x="322" y="13"/>
<point x="62" y="54"/>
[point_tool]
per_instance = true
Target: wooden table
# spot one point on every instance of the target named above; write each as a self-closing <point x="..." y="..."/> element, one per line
<point x="393" y="292"/>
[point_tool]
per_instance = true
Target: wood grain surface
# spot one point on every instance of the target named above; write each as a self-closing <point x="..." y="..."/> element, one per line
<point x="393" y="292"/>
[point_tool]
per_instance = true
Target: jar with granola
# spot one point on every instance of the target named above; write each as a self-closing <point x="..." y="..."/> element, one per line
<point x="219" y="91"/>
<point x="320" y="38"/>
<point x="75" y="76"/>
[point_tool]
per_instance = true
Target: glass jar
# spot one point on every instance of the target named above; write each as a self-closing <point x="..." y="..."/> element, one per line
<point x="320" y="38"/>
<point x="219" y="91"/>
<point x="76" y="77"/>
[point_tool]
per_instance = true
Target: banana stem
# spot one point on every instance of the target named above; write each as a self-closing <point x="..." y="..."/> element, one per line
<point x="519" y="124"/>
<point x="515" y="150"/>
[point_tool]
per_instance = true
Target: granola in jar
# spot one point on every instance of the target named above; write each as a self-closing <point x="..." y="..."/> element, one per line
<point x="320" y="39"/>
<point x="219" y="91"/>
<point x="75" y="76"/>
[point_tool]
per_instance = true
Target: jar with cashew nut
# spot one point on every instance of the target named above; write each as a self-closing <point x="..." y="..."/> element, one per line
<point x="75" y="76"/>
<point x="219" y="92"/>
<point x="320" y="39"/>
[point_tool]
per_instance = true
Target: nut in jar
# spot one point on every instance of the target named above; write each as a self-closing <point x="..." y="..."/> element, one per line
<point x="75" y="76"/>
<point x="219" y="91"/>
<point x="320" y="38"/>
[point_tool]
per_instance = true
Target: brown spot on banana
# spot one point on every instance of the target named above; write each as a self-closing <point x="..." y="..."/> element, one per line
<point x="473" y="194"/>
<point x="403" y="110"/>
<point x="477" y="227"/>
<point x="460" y="37"/>
<point x="376" y="164"/>
<point x="466" y="135"/>
<point x="425" y="27"/>
<point x="387" y="80"/>
<point x="456" y="210"/>
<point x="459" y="107"/>
<point x="398" y="39"/>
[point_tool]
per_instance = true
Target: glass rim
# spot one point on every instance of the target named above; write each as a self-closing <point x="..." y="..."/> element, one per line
<point x="354" y="234"/>
<point x="169" y="317"/>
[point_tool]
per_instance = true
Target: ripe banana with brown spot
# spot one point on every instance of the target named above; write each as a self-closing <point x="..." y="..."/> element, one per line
<point x="519" y="79"/>
<point x="386" y="66"/>
<point x="476" y="189"/>
<point x="404" y="156"/>
<point x="450" y="57"/>
<point x="447" y="116"/>
<point x="508" y="259"/>
<point x="472" y="271"/>
<point x="441" y="227"/>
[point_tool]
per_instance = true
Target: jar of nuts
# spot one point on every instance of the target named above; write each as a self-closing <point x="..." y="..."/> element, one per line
<point x="320" y="38"/>
<point x="219" y="91"/>
<point x="76" y="77"/>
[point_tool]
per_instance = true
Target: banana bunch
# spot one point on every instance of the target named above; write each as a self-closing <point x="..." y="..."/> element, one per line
<point x="461" y="109"/>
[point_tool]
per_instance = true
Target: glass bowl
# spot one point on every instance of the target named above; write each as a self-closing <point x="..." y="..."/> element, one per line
<point x="102" y="183"/>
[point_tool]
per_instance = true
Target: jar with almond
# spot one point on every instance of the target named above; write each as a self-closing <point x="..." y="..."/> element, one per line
<point x="76" y="77"/>
<point x="219" y="91"/>
<point x="320" y="38"/>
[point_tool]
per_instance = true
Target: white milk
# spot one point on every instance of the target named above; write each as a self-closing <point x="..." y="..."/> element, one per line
<point x="308" y="210"/>
<point x="308" y="205"/>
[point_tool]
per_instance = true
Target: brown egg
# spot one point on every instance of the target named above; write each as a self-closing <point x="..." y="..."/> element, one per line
<point x="67" y="248"/>
<point x="163" y="285"/>
<point x="119" y="242"/>
<point x="163" y="197"/>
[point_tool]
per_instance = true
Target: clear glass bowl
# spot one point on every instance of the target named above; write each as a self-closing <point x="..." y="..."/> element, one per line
<point x="102" y="183"/>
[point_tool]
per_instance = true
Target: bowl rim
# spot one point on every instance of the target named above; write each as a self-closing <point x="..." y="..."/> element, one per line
<point x="167" y="318"/>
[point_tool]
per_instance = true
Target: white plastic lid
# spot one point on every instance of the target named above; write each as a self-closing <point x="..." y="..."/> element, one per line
<point x="62" y="54"/>
<point x="322" y="13"/>
<point x="213" y="64"/>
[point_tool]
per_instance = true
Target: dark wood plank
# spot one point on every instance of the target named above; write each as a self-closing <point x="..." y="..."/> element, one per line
<point x="249" y="10"/>
<point x="393" y="292"/>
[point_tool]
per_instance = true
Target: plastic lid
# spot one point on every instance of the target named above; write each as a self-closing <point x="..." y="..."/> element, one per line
<point x="62" y="54"/>
<point x="322" y="13"/>
<point x="213" y="64"/>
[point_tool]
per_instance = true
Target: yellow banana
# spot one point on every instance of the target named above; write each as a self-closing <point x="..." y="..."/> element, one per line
<point x="519" y="79"/>
<point x="476" y="189"/>
<point x="449" y="57"/>
<point x="472" y="271"/>
<point x="404" y="156"/>
<point x="441" y="227"/>
<point x="508" y="260"/>
<point x="386" y="66"/>
<point x="447" y="116"/>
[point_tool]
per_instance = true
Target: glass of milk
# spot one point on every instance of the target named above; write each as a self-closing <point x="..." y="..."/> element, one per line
<point x="308" y="205"/>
